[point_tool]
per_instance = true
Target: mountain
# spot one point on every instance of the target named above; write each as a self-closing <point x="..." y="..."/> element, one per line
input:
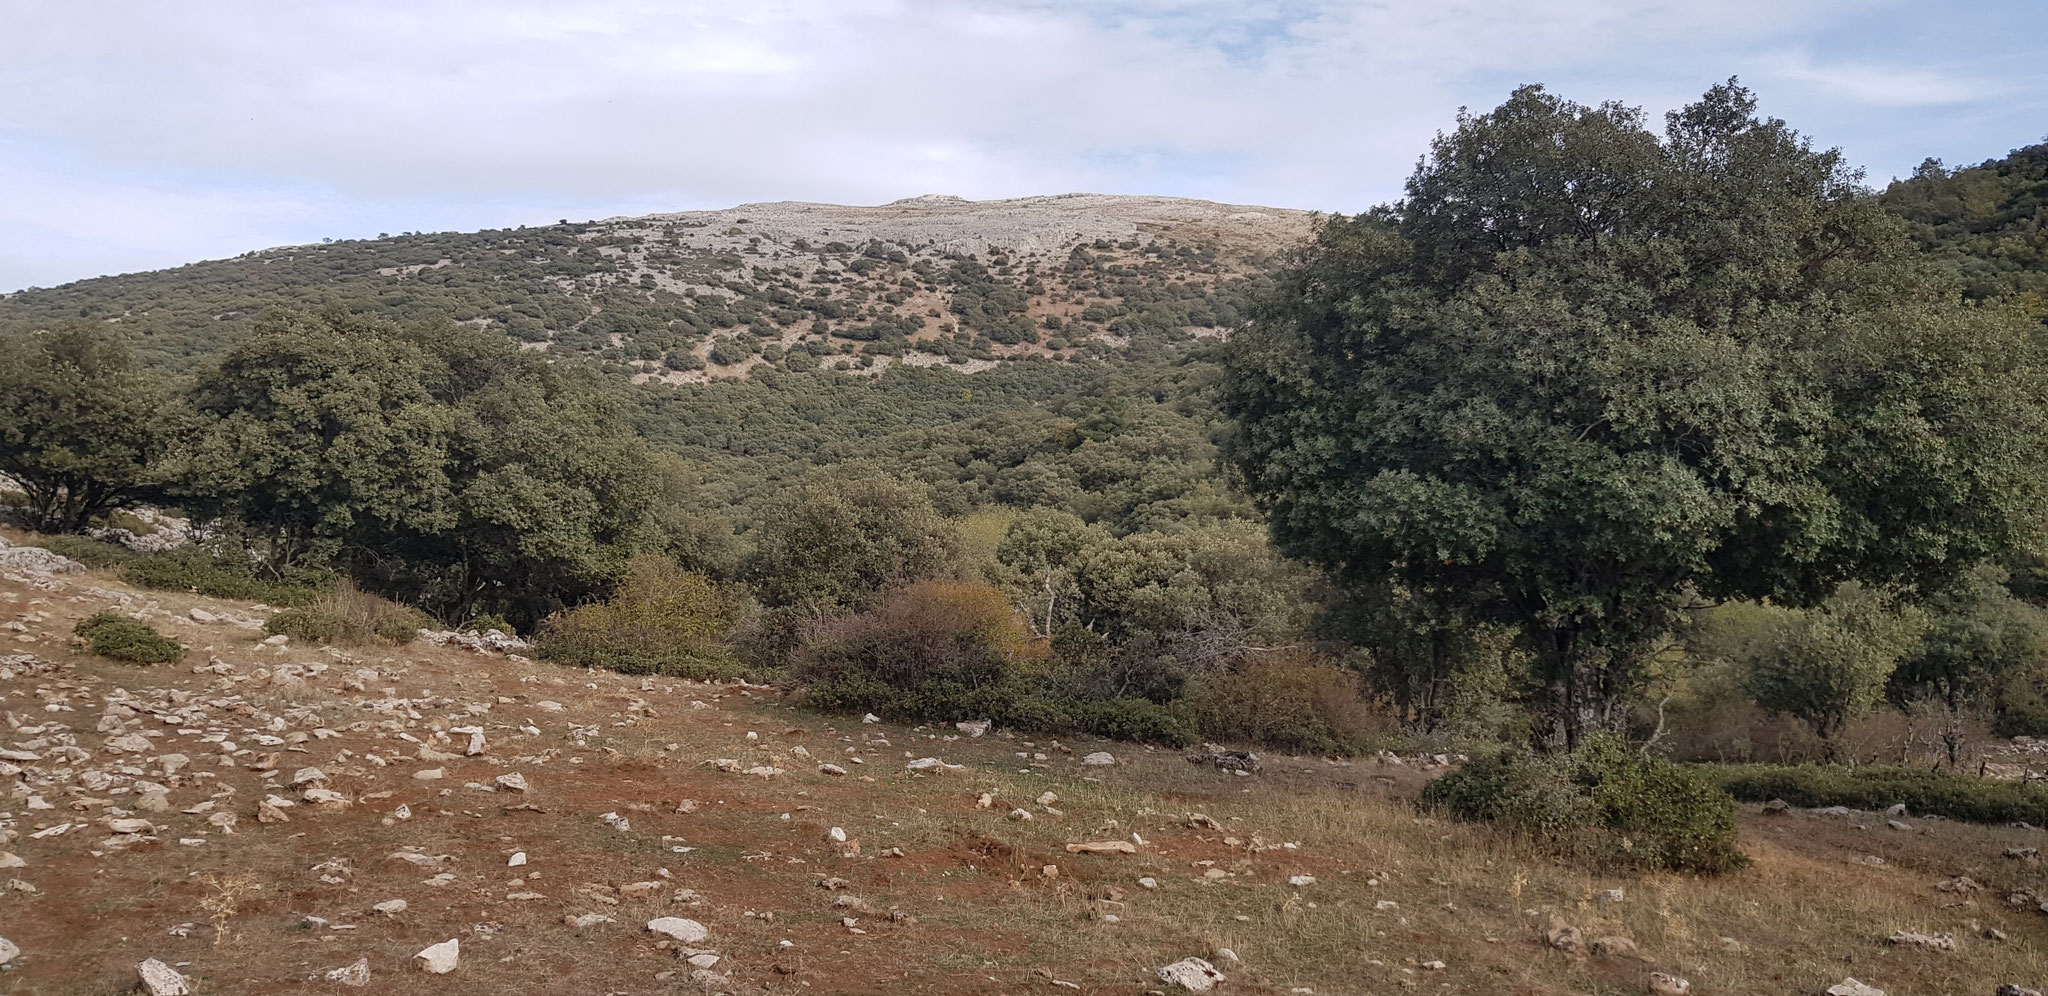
<point x="1988" y="222"/>
<point x="685" y="297"/>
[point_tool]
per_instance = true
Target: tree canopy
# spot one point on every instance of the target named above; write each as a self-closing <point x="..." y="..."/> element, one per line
<point x="81" y="430"/>
<point x="1582" y="369"/>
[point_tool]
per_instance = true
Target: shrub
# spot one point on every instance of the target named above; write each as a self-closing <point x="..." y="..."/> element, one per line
<point x="1601" y="802"/>
<point x="660" y="620"/>
<point x="347" y="615"/>
<point x="96" y="554"/>
<point x="1294" y="704"/>
<point x="197" y="570"/>
<point x="1931" y="793"/>
<point x="952" y="650"/>
<point x="123" y="639"/>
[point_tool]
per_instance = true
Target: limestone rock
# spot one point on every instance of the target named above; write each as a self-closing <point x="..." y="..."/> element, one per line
<point x="159" y="979"/>
<point x="1612" y="947"/>
<point x="1925" y="942"/>
<point x="512" y="780"/>
<point x="973" y="728"/>
<point x="1669" y="985"/>
<point x="390" y="906"/>
<point x="678" y="928"/>
<point x="2007" y="989"/>
<point x="8" y="951"/>
<point x="831" y="769"/>
<point x="1103" y="758"/>
<point x="355" y="976"/>
<point x="1851" y="987"/>
<point x="1192" y="974"/>
<point x="440" y="959"/>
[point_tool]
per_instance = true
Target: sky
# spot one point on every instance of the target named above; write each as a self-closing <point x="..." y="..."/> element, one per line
<point x="140" y="135"/>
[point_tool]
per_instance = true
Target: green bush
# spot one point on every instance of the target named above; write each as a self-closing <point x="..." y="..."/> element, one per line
<point x="661" y="620"/>
<point x="1600" y="802"/>
<point x="1930" y="793"/>
<point x="196" y="570"/>
<point x="123" y="639"/>
<point x="92" y="553"/>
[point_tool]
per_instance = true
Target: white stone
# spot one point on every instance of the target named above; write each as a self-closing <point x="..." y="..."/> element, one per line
<point x="8" y="951"/>
<point x="705" y="960"/>
<point x="512" y="780"/>
<point x="871" y="718"/>
<point x="973" y="728"/>
<point x="308" y="776"/>
<point x="355" y="976"/>
<point x="678" y="928"/>
<point x="518" y="858"/>
<point x="428" y="775"/>
<point x="1851" y="987"/>
<point x="440" y="959"/>
<point x="1191" y="974"/>
<point x="1099" y="759"/>
<point x="1301" y="880"/>
<point x="390" y="906"/>
<point x="831" y="769"/>
<point x="159" y="979"/>
<point x="836" y="835"/>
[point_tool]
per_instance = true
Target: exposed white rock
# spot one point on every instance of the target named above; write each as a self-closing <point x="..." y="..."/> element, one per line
<point x="390" y="906"/>
<point x="679" y="929"/>
<point x="1192" y="974"/>
<point x="355" y="976"/>
<point x="440" y="959"/>
<point x="8" y="951"/>
<point x="159" y="979"/>
<point x="1851" y="987"/>
<point x="511" y="780"/>
<point x="1100" y="758"/>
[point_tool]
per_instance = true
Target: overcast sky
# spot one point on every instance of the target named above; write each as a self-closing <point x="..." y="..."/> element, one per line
<point x="147" y="134"/>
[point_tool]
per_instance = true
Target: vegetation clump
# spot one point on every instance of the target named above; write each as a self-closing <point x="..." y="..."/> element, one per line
<point x="198" y="570"/>
<point x="348" y="615"/>
<point x="1875" y="787"/>
<point x="113" y="635"/>
<point x="662" y="619"/>
<point x="1599" y="801"/>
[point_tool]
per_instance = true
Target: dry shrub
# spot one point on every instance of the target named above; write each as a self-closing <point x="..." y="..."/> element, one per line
<point x="955" y="650"/>
<point x="1289" y="700"/>
<point x="348" y="615"/>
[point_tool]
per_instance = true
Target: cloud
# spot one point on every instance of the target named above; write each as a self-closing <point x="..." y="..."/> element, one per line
<point x="142" y="133"/>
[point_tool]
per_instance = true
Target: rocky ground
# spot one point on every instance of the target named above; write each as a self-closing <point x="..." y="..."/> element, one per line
<point x="265" y="817"/>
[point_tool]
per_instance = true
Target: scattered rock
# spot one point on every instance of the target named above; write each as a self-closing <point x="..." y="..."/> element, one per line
<point x="1103" y="758"/>
<point x="1612" y="946"/>
<point x="390" y="906"/>
<point x="8" y="951"/>
<point x="831" y="769"/>
<point x="159" y="979"/>
<point x="440" y="959"/>
<point x="356" y="975"/>
<point x="2012" y="990"/>
<point x="1925" y="942"/>
<point x="1192" y="974"/>
<point x="1102" y="847"/>
<point x="1242" y="761"/>
<point x="1669" y="985"/>
<point x="1851" y="987"/>
<point x="511" y="780"/>
<point x="679" y="929"/>
<point x="973" y="728"/>
<point x="1299" y="881"/>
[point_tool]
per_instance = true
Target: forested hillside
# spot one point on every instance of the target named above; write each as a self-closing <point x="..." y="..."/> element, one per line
<point x="1988" y="222"/>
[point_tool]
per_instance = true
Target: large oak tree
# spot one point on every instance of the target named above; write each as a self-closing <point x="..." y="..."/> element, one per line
<point x="1583" y="369"/>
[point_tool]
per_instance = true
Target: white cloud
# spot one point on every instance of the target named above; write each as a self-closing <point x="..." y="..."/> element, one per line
<point x="143" y="133"/>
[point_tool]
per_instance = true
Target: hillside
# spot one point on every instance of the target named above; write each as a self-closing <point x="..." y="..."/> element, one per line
<point x="683" y="297"/>
<point x="268" y="817"/>
<point x="1988" y="222"/>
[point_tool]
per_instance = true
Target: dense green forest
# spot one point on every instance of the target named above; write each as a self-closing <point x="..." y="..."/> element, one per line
<point x="1682" y="436"/>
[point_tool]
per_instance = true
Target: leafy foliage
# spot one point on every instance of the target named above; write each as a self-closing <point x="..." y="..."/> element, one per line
<point x="660" y="620"/>
<point x="80" y="428"/>
<point x="1582" y="369"/>
<point x="1600" y="801"/>
<point x="1875" y="787"/>
<point x="116" y="636"/>
<point x="345" y="615"/>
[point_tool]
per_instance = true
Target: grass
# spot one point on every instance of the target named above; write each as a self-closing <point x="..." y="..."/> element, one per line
<point x="347" y="616"/>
